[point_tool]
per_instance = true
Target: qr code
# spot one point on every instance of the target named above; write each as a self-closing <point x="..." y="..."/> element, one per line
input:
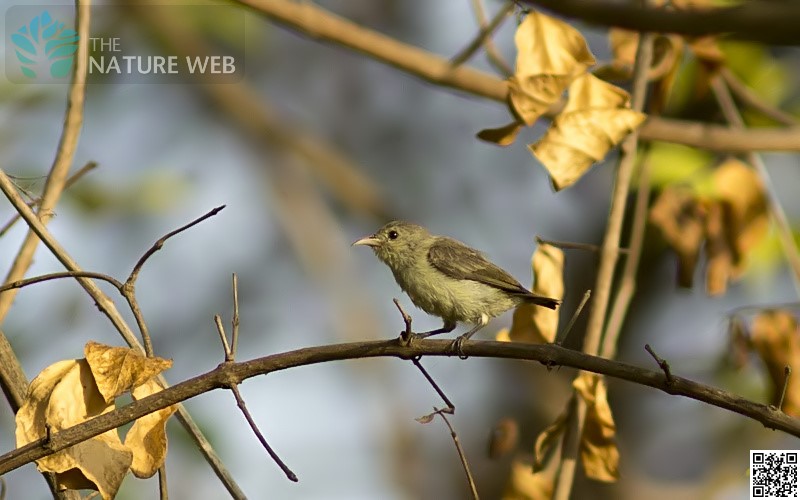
<point x="773" y="474"/>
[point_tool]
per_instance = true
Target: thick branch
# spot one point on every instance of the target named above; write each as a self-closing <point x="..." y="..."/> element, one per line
<point x="321" y="25"/>
<point x="763" y="20"/>
<point x="548" y="354"/>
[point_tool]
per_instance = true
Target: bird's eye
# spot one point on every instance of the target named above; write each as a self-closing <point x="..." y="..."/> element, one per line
<point x="393" y="234"/>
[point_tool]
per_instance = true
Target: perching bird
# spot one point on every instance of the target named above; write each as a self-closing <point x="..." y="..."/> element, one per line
<point x="448" y="279"/>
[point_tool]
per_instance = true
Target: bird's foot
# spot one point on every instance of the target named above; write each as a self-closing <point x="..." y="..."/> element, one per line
<point x="457" y="346"/>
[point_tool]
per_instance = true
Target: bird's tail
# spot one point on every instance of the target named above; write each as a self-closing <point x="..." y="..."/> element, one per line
<point x="539" y="300"/>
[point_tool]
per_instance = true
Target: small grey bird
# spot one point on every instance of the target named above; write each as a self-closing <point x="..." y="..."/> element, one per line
<point x="448" y="279"/>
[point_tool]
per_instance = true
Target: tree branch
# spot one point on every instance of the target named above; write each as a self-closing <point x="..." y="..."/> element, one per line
<point x="547" y="354"/>
<point x="325" y="26"/>
<point x="761" y="20"/>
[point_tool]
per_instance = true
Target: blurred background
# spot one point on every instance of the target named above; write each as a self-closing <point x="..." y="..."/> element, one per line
<point x="315" y="147"/>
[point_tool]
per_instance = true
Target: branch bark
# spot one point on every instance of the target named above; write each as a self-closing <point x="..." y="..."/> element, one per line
<point x="549" y="355"/>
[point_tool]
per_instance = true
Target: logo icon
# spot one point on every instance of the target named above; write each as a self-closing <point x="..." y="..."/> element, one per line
<point x="45" y="46"/>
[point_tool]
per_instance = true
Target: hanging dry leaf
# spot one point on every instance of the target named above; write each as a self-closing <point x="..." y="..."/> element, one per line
<point x="524" y="484"/>
<point x="599" y="453"/>
<point x="776" y="338"/>
<point x="718" y="250"/>
<point x="681" y="219"/>
<point x="119" y="369"/>
<point x="595" y="119"/>
<point x="533" y="323"/>
<point x="504" y="438"/>
<point x="64" y="395"/>
<point x="547" y="442"/>
<point x="550" y="54"/>
<point x="740" y="188"/>
<point x="502" y="136"/>
<point x="147" y="439"/>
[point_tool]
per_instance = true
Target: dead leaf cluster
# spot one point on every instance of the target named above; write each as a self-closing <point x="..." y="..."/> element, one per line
<point x="69" y="392"/>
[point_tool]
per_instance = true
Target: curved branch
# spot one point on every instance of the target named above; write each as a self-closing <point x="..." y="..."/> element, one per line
<point x="322" y="25"/>
<point x="549" y="355"/>
<point x="761" y="20"/>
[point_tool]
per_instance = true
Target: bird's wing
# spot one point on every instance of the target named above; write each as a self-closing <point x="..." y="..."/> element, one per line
<point x="459" y="261"/>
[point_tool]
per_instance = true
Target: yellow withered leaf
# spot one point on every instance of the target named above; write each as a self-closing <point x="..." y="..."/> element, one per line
<point x="533" y="323"/>
<point x="681" y="219"/>
<point x="119" y="369"/>
<point x="524" y="484"/>
<point x="64" y="395"/>
<point x="599" y="453"/>
<point x="595" y="119"/>
<point x="776" y="338"/>
<point x="718" y="250"/>
<point x="147" y="439"/>
<point x="550" y="54"/>
<point x="502" y="136"/>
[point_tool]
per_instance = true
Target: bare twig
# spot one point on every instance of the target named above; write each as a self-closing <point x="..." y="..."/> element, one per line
<point x="59" y="171"/>
<point x="235" y="319"/>
<point x="223" y="338"/>
<point x="765" y="21"/>
<point x="562" y="335"/>
<point x="494" y="56"/>
<point x="608" y="262"/>
<point x="323" y="25"/>
<point x="461" y="455"/>
<point x="662" y="363"/>
<point x="451" y="408"/>
<point x="35" y="203"/>
<point x="569" y="245"/>
<point x="240" y="402"/>
<point x="61" y="275"/>
<point x="748" y="97"/>
<point x="782" y="226"/>
<point x="483" y="35"/>
<point x="406" y="335"/>
<point x="787" y="372"/>
<point x="227" y="373"/>
<point x="163" y="492"/>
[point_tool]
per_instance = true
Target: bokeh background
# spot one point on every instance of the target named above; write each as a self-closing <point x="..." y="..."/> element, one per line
<point x="170" y="152"/>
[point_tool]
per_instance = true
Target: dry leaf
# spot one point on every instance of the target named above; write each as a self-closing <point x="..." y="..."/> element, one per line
<point x="502" y="136"/>
<point x="550" y="54"/>
<point x="776" y="338"/>
<point x="718" y="250"/>
<point x="119" y="369"/>
<point x="524" y="484"/>
<point x="63" y="395"/>
<point x="504" y="438"/>
<point x="742" y="191"/>
<point x="595" y="119"/>
<point x="147" y="439"/>
<point x="547" y="441"/>
<point x="680" y="217"/>
<point x="599" y="453"/>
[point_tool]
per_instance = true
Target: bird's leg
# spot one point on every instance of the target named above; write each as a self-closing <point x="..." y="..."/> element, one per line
<point x="458" y="343"/>
<point x="446" y="328"/>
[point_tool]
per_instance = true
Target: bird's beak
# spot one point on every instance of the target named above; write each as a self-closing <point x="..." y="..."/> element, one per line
<point x="369" y="241"/>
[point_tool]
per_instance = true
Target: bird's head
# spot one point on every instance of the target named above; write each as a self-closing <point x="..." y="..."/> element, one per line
<point x="398" y="244"/>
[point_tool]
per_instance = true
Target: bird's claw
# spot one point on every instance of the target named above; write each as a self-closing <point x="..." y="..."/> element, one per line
<point x="457" y="346"/>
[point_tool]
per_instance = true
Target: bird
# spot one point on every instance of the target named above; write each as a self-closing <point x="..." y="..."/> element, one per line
<point x="446" y="278"/>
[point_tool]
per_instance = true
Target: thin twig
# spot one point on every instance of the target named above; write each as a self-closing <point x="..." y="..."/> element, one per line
<point x="59" y="171"/>
<point x="749" y="98"/>
<point x="61" y="275"/>
<point x="492" y="54"/>
<point x="662" y="363"/>
<point x="223" y="338"/>
<point x="235" y="319"/>
<point x="450" y="406"/>
<point x="240" y="402"/>
<point x="562" y="335"/>
<point x="483" y="35"/>
<point x="568" y="245"/>
<point x="406" y="335"/>
<point x="35" y="203"/>
<point x="787" y="372"/>
<point x="163" y="493"/>
<point x="461" y="455"/>
<point x="784" y="229"/>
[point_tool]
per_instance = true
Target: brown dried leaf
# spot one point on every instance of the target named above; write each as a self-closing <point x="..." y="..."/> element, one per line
<point x="426" y="419"/>
<point x="119" y="369"/>
<point x="599" y="453"/>
<point x="64" y="395"/>
<point x="681" y="219"/>
<point x="742" y="191"/>
<point x="776" y="338"/>
<point x="147" y="439"/>
<point x="547" y="441"/>
<point x="718" y="250"/>
<point x="502" y="136"/>
<point x="504" y="438"/>
<point x="595" y="119"/>
<point x="550" y="54"/>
